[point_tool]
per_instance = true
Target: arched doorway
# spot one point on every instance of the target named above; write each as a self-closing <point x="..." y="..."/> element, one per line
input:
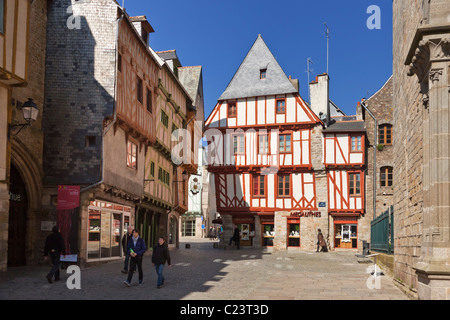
<point x="18" y="207"/>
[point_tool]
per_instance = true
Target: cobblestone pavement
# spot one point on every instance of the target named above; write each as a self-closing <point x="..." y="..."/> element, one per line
<point x="206" y="273"/>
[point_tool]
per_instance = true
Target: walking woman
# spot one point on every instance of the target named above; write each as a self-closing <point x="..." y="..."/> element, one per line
<point x="136" y="249"/>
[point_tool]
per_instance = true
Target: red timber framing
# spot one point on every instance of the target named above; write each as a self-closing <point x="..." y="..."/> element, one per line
<point x="340" y="199"/>
<point x="235" y="193"/>
<point x="338" y="150"/>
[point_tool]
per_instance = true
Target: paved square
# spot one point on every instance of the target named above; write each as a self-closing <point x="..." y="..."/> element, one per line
<point x="205" y="273"/>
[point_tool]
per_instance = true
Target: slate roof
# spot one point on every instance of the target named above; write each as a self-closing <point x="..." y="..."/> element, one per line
<point x="346" y="126"/>
<point x="246" y="81"/>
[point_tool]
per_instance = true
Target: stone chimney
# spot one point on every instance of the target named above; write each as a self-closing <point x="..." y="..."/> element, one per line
<point x="320" y="97"/>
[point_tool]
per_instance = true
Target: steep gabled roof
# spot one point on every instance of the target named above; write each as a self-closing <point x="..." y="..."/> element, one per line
<point x="246" y="81"/>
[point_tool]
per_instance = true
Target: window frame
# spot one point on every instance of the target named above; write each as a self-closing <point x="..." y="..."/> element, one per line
<point x="267" y="139"/>
<point x="140" y="89"/>
<point x="232" y="114"/>
<point x="264" y="181"/>
<point x="387" y="171"/>
<point x="263" y="74"/>
<point x="130" y="156"/>
<point x="354" y="187"/>
<point x="285" y="178"/>
<point x="357" y="137"/>
<point x="240" y="136"/>
<point x="385" y="128"/>
<point x="284" y="140"/>
<point x="284" y="105"/>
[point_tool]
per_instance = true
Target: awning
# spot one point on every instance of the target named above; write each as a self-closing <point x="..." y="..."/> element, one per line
<point x="217" y="221"/>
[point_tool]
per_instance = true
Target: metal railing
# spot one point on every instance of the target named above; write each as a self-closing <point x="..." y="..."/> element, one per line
<point x="382" y="232"/>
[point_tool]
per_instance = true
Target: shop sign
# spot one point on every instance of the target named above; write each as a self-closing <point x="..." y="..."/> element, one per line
<point x="14" y="197"/>
<point x="306" y="214"/>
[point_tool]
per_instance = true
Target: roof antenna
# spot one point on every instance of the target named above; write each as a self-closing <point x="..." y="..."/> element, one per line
<point x="327" y="32"/>
<point x="123" y="4"/>
<point x="309" y="71"/>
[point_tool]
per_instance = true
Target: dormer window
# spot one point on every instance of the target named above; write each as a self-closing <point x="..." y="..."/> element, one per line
<point x="262" y="74"/>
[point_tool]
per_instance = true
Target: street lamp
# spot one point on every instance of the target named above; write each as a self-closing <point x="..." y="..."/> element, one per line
<point x="30" y="112"/>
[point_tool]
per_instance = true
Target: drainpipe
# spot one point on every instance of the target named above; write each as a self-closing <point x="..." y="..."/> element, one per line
<point x="115" y="110"/>
<point x="374" y="158"/>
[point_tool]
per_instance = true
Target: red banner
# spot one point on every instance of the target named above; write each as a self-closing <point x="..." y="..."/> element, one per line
<point x="68" y="197"/>
<point x="67" y="216"/>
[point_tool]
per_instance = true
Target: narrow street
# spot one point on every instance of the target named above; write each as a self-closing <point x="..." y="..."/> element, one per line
<point x="206" y="273"/>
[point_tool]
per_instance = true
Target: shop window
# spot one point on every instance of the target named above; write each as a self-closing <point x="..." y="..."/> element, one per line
<point x="346" y="236"/>
<point x="106" y="228"/>
<point x="386" y="175"/>
<point x="293" y="229"/>
<point x="188" y="228"/>
<point x="268" y="235"/>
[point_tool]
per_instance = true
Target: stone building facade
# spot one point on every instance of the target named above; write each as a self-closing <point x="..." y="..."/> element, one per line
<point x="421" y="152"/>
<point x="21" y="171"/>
<point x="381" y="107"/>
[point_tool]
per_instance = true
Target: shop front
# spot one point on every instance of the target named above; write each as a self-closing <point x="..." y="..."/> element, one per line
<point x="345" y="232"/>
<point x="267" y="230"/>
<point x="107" y="223"/>
<point x="246" y="226"/>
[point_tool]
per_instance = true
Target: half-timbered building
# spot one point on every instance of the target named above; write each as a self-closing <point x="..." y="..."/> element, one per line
<point x="278" y="175"/>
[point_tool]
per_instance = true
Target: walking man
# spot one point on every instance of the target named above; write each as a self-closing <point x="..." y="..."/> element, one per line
<point x="136" y="249"/>
<point x="54" y="245"/>
<point x="160" y="256"/>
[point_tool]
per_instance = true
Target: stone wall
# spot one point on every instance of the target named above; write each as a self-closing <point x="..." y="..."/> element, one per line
<point x="380" y="105"/>
<point x="408" y="156"/>
<point x="79" y="87"/>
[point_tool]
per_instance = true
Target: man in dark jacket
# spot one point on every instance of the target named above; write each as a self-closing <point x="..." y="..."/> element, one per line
<point x="136" y="249"/>
<point x="125" y="241"/>
<point x="160" y="256"/>
<point x="54" y="245"/>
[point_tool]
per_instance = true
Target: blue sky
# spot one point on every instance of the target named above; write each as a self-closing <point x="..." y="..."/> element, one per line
<point x="218" y="34"/>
